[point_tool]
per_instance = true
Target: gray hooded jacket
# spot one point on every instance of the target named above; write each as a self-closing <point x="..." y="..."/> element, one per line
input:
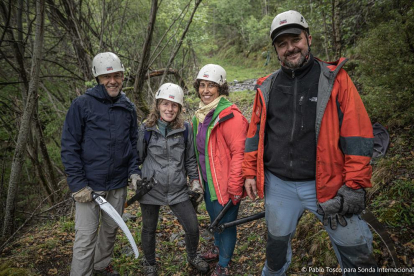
<point x="169" y="160"/>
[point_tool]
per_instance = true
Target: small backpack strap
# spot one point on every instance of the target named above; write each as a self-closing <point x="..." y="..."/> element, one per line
<point x="186" y="133"/>
<point x="147" y="136"/>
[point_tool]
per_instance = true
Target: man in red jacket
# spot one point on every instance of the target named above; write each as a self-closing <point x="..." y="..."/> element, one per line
<point x="308" y="147"/>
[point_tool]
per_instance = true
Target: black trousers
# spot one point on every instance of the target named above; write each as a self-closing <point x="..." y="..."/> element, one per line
<point x="187" y="217"/>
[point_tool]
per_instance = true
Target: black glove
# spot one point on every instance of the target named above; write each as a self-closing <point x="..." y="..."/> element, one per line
<point x="144" y="186"/>
<point x="330" y="210"/>
<point x="354" y="200"/>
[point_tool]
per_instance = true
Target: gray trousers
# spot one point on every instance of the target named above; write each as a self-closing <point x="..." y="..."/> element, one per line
<point x="93" y="250"/>
<point x="285" y="202"/>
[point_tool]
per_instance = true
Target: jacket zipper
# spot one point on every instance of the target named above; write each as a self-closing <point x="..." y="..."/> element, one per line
<point x="294" y="123"/>
<point x="301" y="112"/>
<point x="213" y="172"/>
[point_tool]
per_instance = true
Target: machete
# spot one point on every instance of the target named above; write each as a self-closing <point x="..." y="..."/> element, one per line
<point x="107" y="208"/>
<point x="379" y="228"/>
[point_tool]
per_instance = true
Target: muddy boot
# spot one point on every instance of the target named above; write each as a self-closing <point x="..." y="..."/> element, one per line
<point x="220" y="271"/>
<point x="199" y="264"/>
<point x="211" y="255"/>
<point x="150" y="270"/>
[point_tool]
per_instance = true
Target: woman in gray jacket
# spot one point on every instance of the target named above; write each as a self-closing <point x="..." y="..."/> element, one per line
<point x="168" y="157"/>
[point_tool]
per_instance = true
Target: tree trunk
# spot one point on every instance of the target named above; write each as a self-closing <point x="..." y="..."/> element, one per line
<point x="34" y="157"/>
<point x="180" y="42"/>
<point x="23" y="136"/>
<point x="325" y="40"/>
<point x="139" y="96"/>
<point x="17" y="46"/>
<point x="336" y="21"/>
<point x="49" y="173"/>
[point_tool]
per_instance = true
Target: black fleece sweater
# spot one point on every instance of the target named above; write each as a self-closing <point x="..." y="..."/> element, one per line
<point x="290" y="141"/>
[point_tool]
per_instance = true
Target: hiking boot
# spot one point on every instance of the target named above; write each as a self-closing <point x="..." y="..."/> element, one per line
<point x="211" y="255"/>
<point x="108" y="271"/>
<point x="220" y="271"/>
<point x="150" y="270"/>
<point x="199" y="264"/>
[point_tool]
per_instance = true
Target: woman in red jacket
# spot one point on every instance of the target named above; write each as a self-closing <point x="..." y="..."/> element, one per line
<point x="220" y="133"/>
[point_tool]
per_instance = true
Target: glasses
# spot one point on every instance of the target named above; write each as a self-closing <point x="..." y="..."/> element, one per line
<point x="209" y="85"/>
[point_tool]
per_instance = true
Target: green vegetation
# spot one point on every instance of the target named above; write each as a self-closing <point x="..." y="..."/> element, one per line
<point x="377" y="36"/>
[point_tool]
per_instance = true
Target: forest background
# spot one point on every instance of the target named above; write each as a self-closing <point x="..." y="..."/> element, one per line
<point x="46" y="49"/>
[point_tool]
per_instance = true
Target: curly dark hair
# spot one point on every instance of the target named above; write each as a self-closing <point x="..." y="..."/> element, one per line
<point x="154" y="115"/>
<point x="222" y="89"/>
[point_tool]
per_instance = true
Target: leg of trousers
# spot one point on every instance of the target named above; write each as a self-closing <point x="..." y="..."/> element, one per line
<point x="93" y="250"/>
<point x="187" y="217"/>
<point x="149" y="215"/>
<point x="226" y="240"/>
<point x="285" y="202"/>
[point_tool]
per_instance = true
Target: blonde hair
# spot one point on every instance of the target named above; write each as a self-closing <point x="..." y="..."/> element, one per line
<point x="154" y="116"/>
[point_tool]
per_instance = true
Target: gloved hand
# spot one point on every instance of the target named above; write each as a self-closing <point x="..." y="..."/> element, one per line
<point x="330" y="210"/>
<point x="133" y="179"/>
<point x="83" y="195"/>
<point x="196" y="190"/>
<point x="235" y="199"/>
<point x="354" y="200"/>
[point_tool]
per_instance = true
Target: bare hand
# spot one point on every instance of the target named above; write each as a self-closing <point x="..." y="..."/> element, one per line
<point x="250" y="187"/>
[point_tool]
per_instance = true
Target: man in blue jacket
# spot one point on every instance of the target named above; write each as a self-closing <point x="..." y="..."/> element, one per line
<point x="99" y="153"/>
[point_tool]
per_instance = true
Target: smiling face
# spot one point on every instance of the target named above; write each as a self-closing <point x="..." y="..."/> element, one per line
<point x="208" y="91"/>
<point x="168" y="110"/>
<point x="112" y="83"/>
<point x="293" y="49"/>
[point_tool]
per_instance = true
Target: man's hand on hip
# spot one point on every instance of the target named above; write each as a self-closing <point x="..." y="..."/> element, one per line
<point x="354" y="200"/>
<point x="331" y="212"/>
<point x="133" y="179"/>
<point x="83" y="195"/>
<point x="250" y="186"/>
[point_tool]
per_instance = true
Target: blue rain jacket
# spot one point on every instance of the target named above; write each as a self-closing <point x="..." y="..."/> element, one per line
<point x="99" y="141"/>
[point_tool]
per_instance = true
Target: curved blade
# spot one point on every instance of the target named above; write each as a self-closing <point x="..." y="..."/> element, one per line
<point x="107" y="208"/>
<point x="379" y="228"/>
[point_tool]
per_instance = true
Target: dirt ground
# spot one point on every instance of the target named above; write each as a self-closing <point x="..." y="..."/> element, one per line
<point x="46" y="248"/>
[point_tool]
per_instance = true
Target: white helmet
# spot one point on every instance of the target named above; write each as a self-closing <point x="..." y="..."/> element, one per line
<point x="106" y="63"/>
<point x="212" y="72"/>
<point x="289" y="22"/>
<point x="171" y="92"/>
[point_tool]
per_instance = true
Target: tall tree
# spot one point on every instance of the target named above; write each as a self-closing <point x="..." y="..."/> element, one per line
<point x="336" y="26"/>
<point x="180" y="41"/>
<point x="139" y="96"/>
<point x="24" y="130"/>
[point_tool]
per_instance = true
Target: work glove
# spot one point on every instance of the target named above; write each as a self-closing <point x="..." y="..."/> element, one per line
<point x="132" y="182"/>
<point x="83" y="195"/>
<point x="196" y="191"/>
<point x="330" y="210"/>
<point x="144" y="186"/>
<point x="354" y="200"/>
<point x="235" y="199"/>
